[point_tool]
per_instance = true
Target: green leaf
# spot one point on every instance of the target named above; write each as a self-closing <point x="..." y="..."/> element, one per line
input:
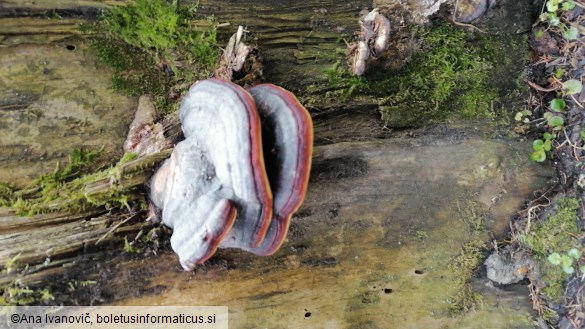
<point x="572" y="86"/>
<point x="538" y="156"/>
<point x="582" y="269"/>
<point x="556" y="121"/>
<point x="574" y="253"/>
<point x="583" y="134"/>
<point x="568" y="269"/>
<point x="543" y="17"/>
<point x="548" y="135"/>
<point x="518" y="116"/>
<point x="547" y="145"/>
<point x="537" y="145"/>
<point x="567" y="261"/>
<point x="560" y="72"/>
<point x="558" y="105"/>
<point x="571" y="33"/>
<point x="554" y="19"/>
<point x="554" y="258"/>
<point x="568" y="5"/>
<point x="552" y="6"/>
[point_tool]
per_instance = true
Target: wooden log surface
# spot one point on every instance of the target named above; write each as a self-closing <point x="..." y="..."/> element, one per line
<point x="375" y="242"/>
<point x="383" y="219"/>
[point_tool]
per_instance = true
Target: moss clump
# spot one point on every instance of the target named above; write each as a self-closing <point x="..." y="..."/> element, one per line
<point x="463" y="267"/>
<point x="160" y="56"/>
<point x="6" y="194"/>
<point x="455" y="74"/>
<point x="557" y="233"/>
<point x="554" y="276"/>
<point x="471" y="213"/>
<point x="17" y="294"/>
<point x="450" y="75"/>
<point x="76" y="190"/>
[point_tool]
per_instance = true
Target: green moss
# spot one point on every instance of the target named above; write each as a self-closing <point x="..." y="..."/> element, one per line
<point x="6" y="194"/>
<point x="129" y="248"/>
<point x="557" y="233"/>
<point x="154" y="56"/>
<point x="463" y="267"/>
<point x="450" y="76"/>
<point x="471" y="213"/>
<point x="17" y="294"/>
<point x="456" y="74"/>
<point x="554" y="276"/>
<point x="78" y="190"/>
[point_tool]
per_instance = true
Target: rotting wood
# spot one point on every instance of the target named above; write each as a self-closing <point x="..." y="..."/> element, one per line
<point x="298" y="42"/>
<point x="67" y="232"/>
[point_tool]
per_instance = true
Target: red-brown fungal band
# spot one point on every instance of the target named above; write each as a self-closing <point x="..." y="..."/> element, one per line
<point x="290" y="126"/>
<point x="214" y="190"/>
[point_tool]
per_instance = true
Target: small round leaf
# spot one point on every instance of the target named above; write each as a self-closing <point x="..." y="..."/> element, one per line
<point x="556" y="121"/>
<point x="567" y="261"/>
<point x="554" y="19"/>
<point x="518" y="116"/>
<point x="574" y="253"/>
<point x="552" y="6"/>
<point x="568" y="5"/>
<point x="538" y="156"/>
<point x="558" y="105"/>
<point x="547" y="145"/>
<point x="572" y="87"/>
<point x="537" y="144"/>
<point x="554" y="258"/>
<point x="571" y="33"/>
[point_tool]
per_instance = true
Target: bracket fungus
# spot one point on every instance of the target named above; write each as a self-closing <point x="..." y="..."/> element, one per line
<point x="215" y="189"/>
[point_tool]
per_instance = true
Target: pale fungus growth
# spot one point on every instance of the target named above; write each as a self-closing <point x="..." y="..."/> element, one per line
<point x="215" y="190"/>
<point x="373" y="40"/>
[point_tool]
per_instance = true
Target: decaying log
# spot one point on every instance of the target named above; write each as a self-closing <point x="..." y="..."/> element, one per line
<point x="64" y="233"/>
<point x="298" y="42"/>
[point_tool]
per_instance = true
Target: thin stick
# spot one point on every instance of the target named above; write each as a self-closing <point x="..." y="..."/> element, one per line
<point x="539" y="88"/>
<point x="115" y="227"/>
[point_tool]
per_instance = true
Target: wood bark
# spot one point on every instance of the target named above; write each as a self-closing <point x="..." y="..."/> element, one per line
<point x="297" y="42"/>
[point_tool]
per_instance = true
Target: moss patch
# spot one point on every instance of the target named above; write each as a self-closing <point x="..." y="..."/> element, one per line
<point x="464" y="266"/>
<point x="76" y="189"/>
<point x="558" y="233"/>
<point x="456" y="74"/>
<point x="16" y="294"/>
<point x="161" y="56"/>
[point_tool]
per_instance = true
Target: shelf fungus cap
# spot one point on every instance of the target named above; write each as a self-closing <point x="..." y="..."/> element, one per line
<point x="193" y="203"/>
<point x="217" y="169"/>
<point x="215" y="190"/>
<point x="288" y="144"/>
<point x="223" y="115"/>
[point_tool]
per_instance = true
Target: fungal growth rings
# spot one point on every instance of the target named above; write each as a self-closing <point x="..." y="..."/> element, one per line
<point x="240" y="173"/>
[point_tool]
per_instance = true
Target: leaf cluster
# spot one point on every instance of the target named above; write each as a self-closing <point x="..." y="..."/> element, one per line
<point x="552" y="15"/>
<point x="566" y="260"/>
